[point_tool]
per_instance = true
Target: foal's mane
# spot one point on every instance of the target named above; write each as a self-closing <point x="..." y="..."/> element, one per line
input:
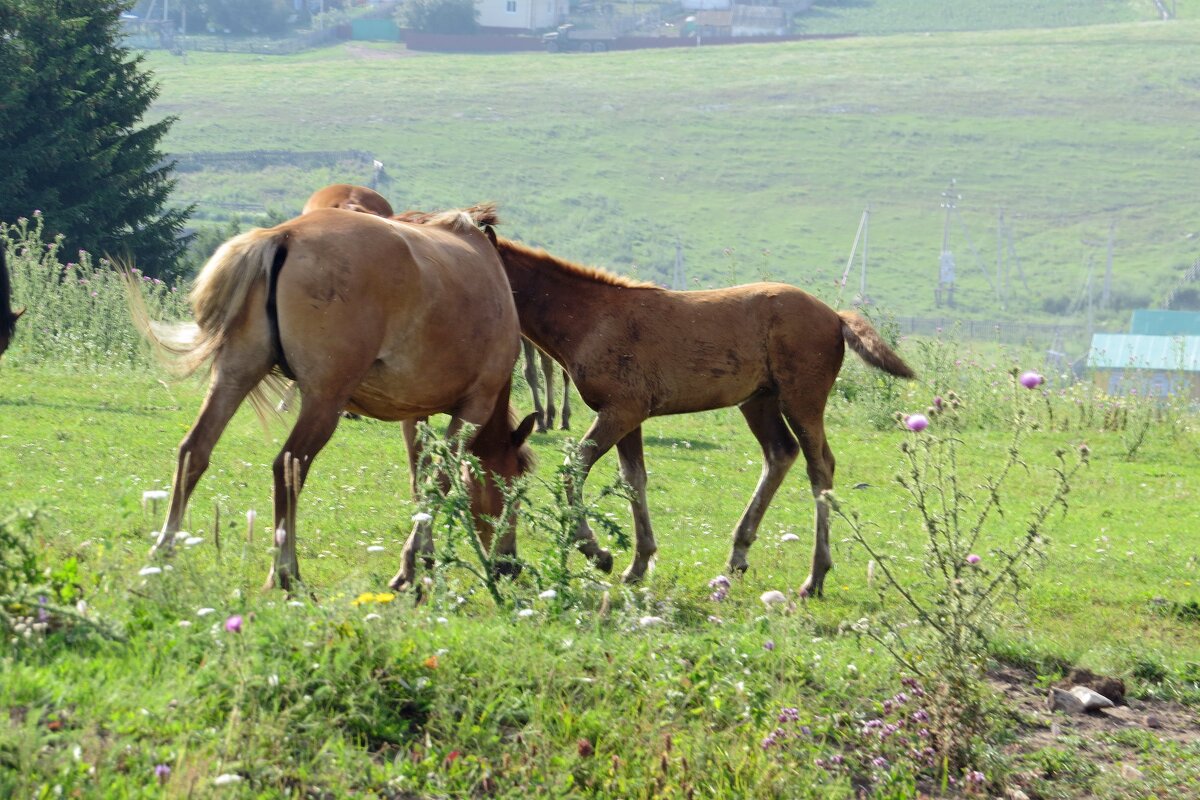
<point x="536" y="257"/>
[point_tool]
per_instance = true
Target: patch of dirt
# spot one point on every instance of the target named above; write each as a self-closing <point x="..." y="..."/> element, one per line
<point x="1167" y="720"/>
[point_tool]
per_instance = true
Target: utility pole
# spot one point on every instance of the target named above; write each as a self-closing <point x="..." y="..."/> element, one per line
<point x="863" y="297"/>
<point x="945" y="285"/>
<point x="1106" y="294"/>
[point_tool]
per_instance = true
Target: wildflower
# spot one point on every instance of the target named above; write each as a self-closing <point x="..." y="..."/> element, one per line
<point x="720" y="587"/>
<point x="280" y="536"/>
<point x="853" y="670"/>
<point x="375" y="548"/>
<point x="879" y="762"/>
<point x="251" y="515"/>
<point x="768" y="645"/>
<point x="149" y="570"/>
<point x="371" y="616"/>
<point x="585" y="748"/>
<point x="1031" y="379"/>
<point x="973" y="559"/>
<point x="192" y="541"/>
<point x="421" y="516"/>
<point x="789" y="714"/>
<point x="773" y="597"/>
<point x="789" y="537"/>
<point x="234" y="624"/>
<point x="227" y="779"/>
<point x="549" y="594"/>
<point x="526" y="612"/>
<point x="451" y="756"/>
<point x="916" y="422"/>
<point x="648" y="622"/>
<point x="976" y="777"/>
<point x="204" y="612"/>
<point x="162" y="772"/>
<point x="153" y="495"/>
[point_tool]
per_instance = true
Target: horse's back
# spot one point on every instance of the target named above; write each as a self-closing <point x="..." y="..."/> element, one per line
<point x="423" y="313"/>
<point x="349" y="197"/>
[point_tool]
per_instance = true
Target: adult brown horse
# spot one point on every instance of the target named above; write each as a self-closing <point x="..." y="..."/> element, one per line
<point x="637" y="351"/>
<point x="369" y="201"/>
<point x="390" y="320"/>
<point x="8" y="317"/>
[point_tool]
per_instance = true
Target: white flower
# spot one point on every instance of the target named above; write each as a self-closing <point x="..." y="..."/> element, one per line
<point x="526" y="612"/>
<point x="185" y="623"/>
<point x="204" y="612"/>
<point x="375" y="548"/>
<point x="153" y="495"/>
<point x="296" y="603"/>
<point x="549" y="594"/>
<point x="371" y="616"/>
<point x="773" y="597"/>
<point x="421" y="516"/>
<point x="647" y="622"/>
<point x="789" y="537"/>
<point x="226" y="779"/>
<point x="192" y="541"/>
<point x="442" y="620"/>
<point x="181" y="535"/>
<point x="272" y="680"/>
<point x="853" y="670"/>
<point x="149" y="570"/>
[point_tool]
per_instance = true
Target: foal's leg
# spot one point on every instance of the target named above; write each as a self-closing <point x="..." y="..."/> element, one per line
<point x="633" y="470"/>
<point x="229" y="387"/>
<point x="318" y="419"/>
<point x="810" y="428"/>
<point x="548" y="367"/>
<point x="531" y="378"/>
<point x="566" y="404"/>
<point x="608" y="428"/>
<point x="779" y="449"/>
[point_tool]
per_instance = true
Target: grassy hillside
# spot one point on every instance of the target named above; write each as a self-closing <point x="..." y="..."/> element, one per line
<point x="759" y="159"/>
<point x="898" y="16"/>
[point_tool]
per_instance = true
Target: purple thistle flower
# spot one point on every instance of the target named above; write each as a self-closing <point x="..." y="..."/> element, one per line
<point x="768" y="645"/>
<point x="879" y="762"/>
<point x="916" y="422"/>
<point x="1031" y="379"/>
<point x="234" y="624"/>
<point x="973" y="559"/>
<point x="162" y="772"/>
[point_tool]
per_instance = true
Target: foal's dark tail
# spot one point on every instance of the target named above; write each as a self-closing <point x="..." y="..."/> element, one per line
<point x="866" y="341"/>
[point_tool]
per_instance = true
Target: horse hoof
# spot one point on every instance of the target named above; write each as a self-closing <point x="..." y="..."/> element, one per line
<point x="507" y="568"/>
<point x="737" y="570"/>
<point x="812" y="589"/>
<point x="629" y="576"/>
<point x="603" y="561"/>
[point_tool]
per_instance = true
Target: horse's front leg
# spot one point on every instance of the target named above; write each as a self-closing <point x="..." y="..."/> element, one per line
<point x="633" y="470"/>
<point x="607" y="429"/>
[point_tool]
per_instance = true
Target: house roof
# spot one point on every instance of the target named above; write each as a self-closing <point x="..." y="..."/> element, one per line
<point x="1159" y="322"/>
<point x="1139" y="351"/>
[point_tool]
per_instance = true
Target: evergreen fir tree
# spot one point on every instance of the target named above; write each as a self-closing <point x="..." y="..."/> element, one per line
<point x="70" y="140"/>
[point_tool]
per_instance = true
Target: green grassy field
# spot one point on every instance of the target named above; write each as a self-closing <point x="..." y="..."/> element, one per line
<point x="456" y="698"/>
<point x="758" y="159"/>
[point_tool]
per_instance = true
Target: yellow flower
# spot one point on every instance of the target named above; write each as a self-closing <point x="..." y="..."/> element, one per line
<point x="373" y="597"/>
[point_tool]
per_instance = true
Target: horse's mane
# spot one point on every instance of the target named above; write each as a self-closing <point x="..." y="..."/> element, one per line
<point x="456" y="219"/>
<point x="537" y="257"/>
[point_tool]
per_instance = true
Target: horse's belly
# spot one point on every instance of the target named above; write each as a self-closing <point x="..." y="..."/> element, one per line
<point x="390" y="395"/>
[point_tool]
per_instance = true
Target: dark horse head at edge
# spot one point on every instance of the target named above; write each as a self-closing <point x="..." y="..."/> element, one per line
<point x="8" y="317"/>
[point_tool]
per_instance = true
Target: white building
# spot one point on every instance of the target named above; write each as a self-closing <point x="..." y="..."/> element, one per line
<point x="528" y="15"/>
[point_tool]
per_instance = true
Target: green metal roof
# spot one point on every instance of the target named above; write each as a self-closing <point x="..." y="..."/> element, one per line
<point x="1158" y="322"/>
<point x="1135" y="351"/>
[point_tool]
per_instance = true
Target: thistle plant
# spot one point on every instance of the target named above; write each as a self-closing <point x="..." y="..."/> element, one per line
<point x="969" y="567"/>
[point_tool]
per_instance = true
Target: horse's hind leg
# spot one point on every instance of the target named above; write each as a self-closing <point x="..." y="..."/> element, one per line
<point x="318" y="420"/>
<point x="531" y="378"/>
<point x="779" y="449"/>
<point x="230" y="384"/>
<point x="810" y="428"/>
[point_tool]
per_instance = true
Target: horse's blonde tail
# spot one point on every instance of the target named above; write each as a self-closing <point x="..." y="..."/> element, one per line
<point x="870" y="346"/>
<point x="218" y="298"/>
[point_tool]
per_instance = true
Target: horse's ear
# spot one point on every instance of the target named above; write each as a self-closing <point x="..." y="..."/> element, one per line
<point x="523" y="430"/>
<point x="491" y="234"/>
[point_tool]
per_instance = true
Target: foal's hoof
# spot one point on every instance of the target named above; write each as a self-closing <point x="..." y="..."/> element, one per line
<point x="603" y="561"/>
<point x="737" y="568"/>
<point x="813" y="589"/>
<point x="507" y="567"/>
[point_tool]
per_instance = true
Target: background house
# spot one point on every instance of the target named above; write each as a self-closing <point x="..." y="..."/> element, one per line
<point x="1159" y="358"/>
<point x="524" y="15"/>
